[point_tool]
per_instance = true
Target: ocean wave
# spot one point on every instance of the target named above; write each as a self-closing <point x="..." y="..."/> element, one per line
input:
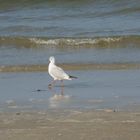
<point x="69" y="42"/>
<point x="71" y="66"/>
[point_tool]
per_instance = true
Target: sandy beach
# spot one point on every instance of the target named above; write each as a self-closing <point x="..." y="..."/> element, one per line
<point x="97" y="41"/>
<point x="70" y="124"/>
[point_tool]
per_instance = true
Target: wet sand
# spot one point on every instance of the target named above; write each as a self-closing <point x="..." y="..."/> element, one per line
<point x="72" y="66"/>
<point x="70" y="124"/>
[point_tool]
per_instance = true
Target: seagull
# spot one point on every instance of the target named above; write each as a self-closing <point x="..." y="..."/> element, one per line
<point x="57" y="73"/>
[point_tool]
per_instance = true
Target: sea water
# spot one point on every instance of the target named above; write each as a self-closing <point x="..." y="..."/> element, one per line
<point x="99" y="32"/>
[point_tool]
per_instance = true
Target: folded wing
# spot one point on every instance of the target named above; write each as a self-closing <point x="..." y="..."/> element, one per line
<point x="59" y="73"/>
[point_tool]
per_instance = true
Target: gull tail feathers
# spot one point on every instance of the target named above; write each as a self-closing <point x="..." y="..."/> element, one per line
<point x="73" y="77"/>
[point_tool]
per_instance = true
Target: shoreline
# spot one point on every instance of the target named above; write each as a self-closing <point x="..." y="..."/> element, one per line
<point x="70" y="124"/>
<point x="72" y="67"/>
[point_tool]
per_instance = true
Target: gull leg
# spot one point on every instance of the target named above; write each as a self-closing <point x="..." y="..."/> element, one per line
<point x="52" y="84"/>
<point x="62" y="88"/>
<point x="62" y="91"/>
<point x="62" y="84"/>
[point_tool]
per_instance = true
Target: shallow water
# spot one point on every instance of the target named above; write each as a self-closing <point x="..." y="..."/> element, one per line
<point x="102" y="89"/>
<point x="98" y="41"/>
<point x="117" y="54"/>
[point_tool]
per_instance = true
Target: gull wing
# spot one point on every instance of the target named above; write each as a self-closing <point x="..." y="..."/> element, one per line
<point x="59" y="73"/>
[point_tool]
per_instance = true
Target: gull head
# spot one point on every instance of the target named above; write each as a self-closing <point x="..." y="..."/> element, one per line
<point x="52" y="59"/>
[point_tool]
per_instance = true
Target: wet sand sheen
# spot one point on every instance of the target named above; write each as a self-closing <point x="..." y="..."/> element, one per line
<point x="70" y="124"/>
<point x="35" y="68"/>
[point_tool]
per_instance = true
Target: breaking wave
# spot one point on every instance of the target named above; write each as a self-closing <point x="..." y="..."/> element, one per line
<point x="69" y="42"/>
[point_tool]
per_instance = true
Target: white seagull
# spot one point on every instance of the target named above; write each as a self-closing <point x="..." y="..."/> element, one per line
<point x="57" y="73"/>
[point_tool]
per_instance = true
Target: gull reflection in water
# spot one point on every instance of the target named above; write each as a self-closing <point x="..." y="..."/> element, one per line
<point x="58" y="98"/>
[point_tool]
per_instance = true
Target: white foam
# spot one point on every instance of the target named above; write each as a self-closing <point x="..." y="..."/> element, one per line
<point x="74" y="42"/>
<point x="43" y="42"/>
